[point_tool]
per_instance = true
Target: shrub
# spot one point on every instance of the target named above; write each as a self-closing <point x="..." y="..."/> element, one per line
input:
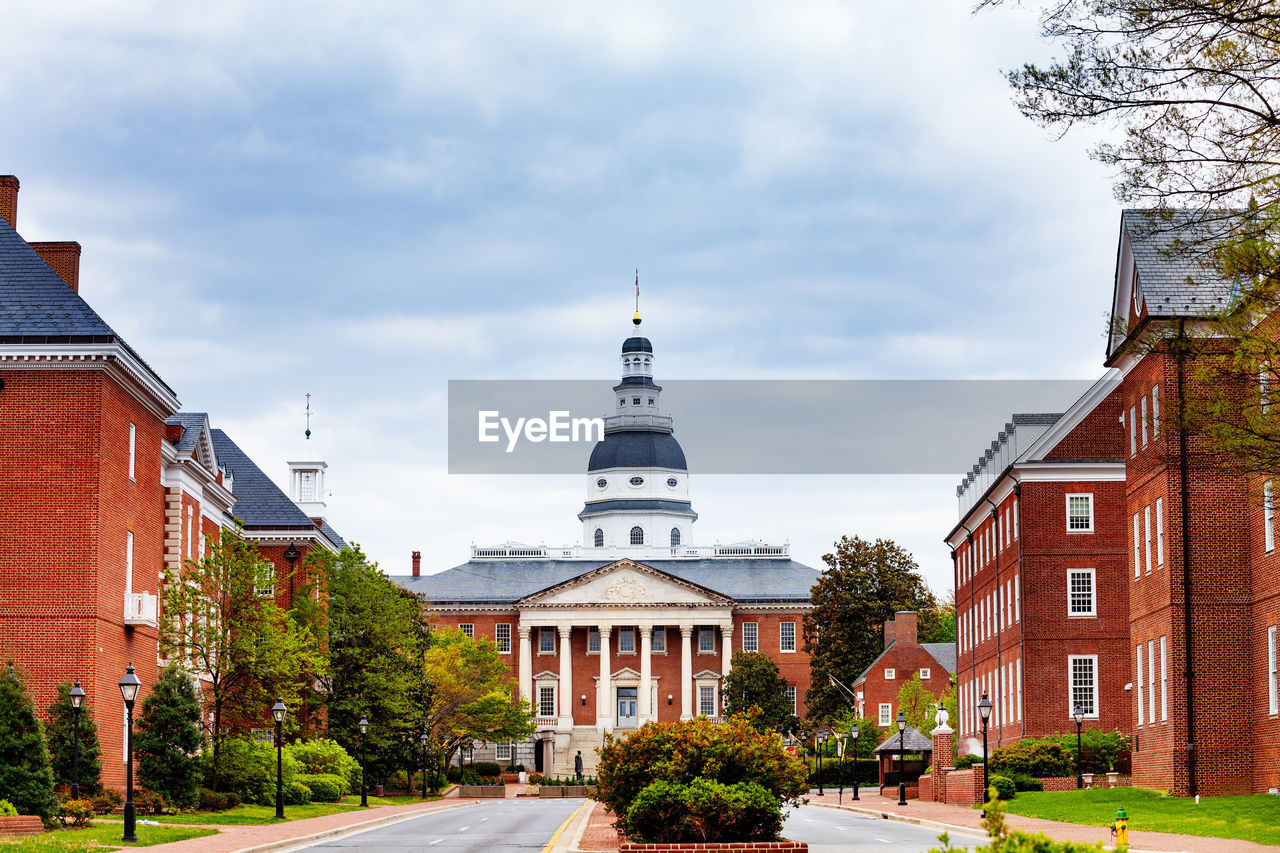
<point x="1034" y="758"/>
<point x="1023" y="782"/>
<point x="865" y="770"/>
<point x="25" y="775"/>
<point x="326" y="756"/>
<point x="7" y="809"/>
<point x="296" y="793"/>
<point x="325" y="787"/>
<point x="485" y="768"/>
<point x="1004" y="841"/>
<point x="106" y="800"/>
<point x="452" y="773"/>
<point x="152" y="802"/>
<point x="536" y="778"/>
<point x="61" y="732"/>
<point x="1102" y="751"/>
<point x="169" y="739"/>
<point x="249" y="769"/>
<point x="75" y="813"/>
<point x="964" y="762"/>
<point x="704" y="811"/>
<point x="214" y="801"/>
<point x="730" y="754"/>
<point x="1003" y="786"/>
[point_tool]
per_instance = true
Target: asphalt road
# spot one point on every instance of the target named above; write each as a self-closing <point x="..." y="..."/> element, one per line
<point x="501" y="826"/>
<point x="835" y="831"/>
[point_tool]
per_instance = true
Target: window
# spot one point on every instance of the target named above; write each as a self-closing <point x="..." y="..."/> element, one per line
<point x="1264" y="387"/>
<point x="601" y="483"/>
<point x="1144" y="421"/>
<point x="593" y="640"/>
<point x="467" y="628"/>
<point x="637" y="536"/>
<point x="635" y="401"/>
<point x="707" y="700"/>
<point x="890" y="673"/>
<point x="1017" y="597"/>
<point x="1079" y="513"/>
<point x="1155" y="411"/>
<point x="1137" y="548"/>
<point x="1138" y="683"/>
<point x="750" y="637"/>
<point x="1268" y="518"/>
<point x="1151" y="678"/>
<point x="502" y="751"/>
<point x="1273" y="698"/>
<point x="675" y="537"/>
<point x="925" y="673"/>
<point x="1084" y="684"/>
<point x="1146" y="533"/>
<point x="1133" y="431"/>
<point x="886" y="714"/>
<point x="672" y="482"/>
<point x="502" y="636"/>
<point x="1159" y="531"/>
<point x="267" y="581"/>
<point x="636" y="481"/>
<point x="133" y="443"/>
<point x="706" y="640"/>
<point x="546" y="701"/>
<point x="599" y="538"/>
<point x="1015" y="519"/>
<point x="128" y="561"/>
<point x="791" y="697"/>
<point x="627" y="641"/>
<point x="1164" y="679"/>
<point x="659" y="639"/>
<point x="786" y="636"/>
<point x="650" y="401"/>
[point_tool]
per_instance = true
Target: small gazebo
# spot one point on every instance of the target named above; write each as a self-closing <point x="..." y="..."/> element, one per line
<point x="916" y="746"/>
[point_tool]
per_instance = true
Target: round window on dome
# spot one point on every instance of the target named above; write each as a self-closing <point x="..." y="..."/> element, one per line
<point x="601" y="483"/>
<point x="672" y="482"/>
<point x="636" y="481"/>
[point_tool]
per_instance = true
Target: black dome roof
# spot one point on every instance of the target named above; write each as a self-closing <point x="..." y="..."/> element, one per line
<point x="637" y="345"/>
<point x="637" y="449"/>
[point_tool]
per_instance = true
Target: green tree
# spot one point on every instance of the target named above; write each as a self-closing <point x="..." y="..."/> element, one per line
<point x="376" y="636"/>
<point x="246" y="648"/>
<point x="26" y="778"/>
<point x="168" y="738"/>
<point x="864" y="584"/>
<point x="755" y="688"/>
<point x="938" y="625"/>
<point x="472" y="693"/>
<point x="61" y="731"/>
<point x="920" y="705"/>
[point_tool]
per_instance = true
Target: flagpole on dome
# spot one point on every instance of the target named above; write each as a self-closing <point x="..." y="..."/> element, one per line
<point x="636" y="318"/>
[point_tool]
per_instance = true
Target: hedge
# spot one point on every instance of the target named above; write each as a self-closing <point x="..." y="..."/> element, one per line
<point x="865" y="770"/>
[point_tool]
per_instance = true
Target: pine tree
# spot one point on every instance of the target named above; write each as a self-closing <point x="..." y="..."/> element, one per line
<point x="62" y="728"/>
<point x="26" y="779"/>
<point x="754" y="687"/>
<point x="168" y="738"/>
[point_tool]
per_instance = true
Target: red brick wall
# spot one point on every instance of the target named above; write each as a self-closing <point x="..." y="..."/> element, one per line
<point x="906" y="659"/>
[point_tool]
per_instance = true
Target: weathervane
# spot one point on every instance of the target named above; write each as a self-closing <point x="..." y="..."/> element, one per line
<point x="636" y="318"/>
<point x="308" y="432"/>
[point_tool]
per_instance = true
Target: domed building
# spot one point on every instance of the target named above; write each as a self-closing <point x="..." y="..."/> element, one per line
<point x="638" y="623"/>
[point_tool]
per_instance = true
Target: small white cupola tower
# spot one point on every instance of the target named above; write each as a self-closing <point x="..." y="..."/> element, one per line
<point x="306" y="475"/>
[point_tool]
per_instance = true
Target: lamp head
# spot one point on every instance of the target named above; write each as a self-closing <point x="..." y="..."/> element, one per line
<point x="363" y="725"/>
<point x="854" y="731"/>
<point x="424" y="737"/>
<point x="278" y="710"/>
<point x="292" y="553"/>
<point x="902" y="720"/>
<point x="984" y="708"/>
<point x="129" y="686"/>
<point x="1078" y="715"/>
<point x="77" y="696"/>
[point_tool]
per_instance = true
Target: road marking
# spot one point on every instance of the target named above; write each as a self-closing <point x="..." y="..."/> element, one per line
<point x="464" y="829"/>
<point x="552" y="843"/>
<point x="434" y="843"/>
<point x="885" y="840"/>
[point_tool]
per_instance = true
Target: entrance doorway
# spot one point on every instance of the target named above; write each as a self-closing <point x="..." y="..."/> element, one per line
<point x="627" y="707"/>
<point x="538" y="765"/>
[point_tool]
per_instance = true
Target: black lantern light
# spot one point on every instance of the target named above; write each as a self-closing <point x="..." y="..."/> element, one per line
<point x="984" y="712"/>
<point x="77" y="701"/>
<point x="129" y="687"/>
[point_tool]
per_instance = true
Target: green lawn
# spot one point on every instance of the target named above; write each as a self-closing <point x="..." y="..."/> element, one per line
<point x="245" y="815"/>
<point x="396" y="800"/>
<point x="99" y="837"/>
<point x="1255" y="818"/>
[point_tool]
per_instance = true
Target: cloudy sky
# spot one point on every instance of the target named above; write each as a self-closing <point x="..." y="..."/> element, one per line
<point x="364" y="201"/>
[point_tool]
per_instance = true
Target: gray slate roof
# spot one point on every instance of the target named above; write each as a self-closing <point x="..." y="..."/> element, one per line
<point x="943" y="653"/>
<point x="191" y="423"/>
<point x="911" y="741"/>
<point x="1170" y="255"/>
<point x="501" y="583"/>
<point x="637" y="449"/>
<point x="37" y="306"/>
<point x="259" y="501"/>
<point x="637" y="505"/>
<point x="332" y="534"/>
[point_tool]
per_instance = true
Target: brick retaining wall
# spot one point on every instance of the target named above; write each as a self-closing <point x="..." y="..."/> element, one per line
<point x="21" y="826"/>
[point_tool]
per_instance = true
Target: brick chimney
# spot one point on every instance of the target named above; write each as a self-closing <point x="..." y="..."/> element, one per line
<point x="9" y="200"/>
<point x="62" y="258"/>
<point x="417" y="564"/>
<point x="908" y="624"/>
<point x="890" y="631"/>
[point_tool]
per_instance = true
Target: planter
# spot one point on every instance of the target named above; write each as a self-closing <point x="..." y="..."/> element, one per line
<point x="1088" y="780"/>
<point x="547" y="792"/>
<point x="492" y="792"/>
<point x="21" y="826"/>
<point x="554" y="791"/>
<point x="1113" y="779"/>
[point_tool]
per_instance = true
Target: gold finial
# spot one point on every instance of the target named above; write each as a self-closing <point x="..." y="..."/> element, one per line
<point x="636" y="318"/>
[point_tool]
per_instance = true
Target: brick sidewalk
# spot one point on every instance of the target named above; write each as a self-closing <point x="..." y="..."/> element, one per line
<point x="600" y="835"/>
<point x="872" y="803"/>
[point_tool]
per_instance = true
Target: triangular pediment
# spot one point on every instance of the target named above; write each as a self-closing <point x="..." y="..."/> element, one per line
<point x="624" y="583"/>
<point x="706" y="675"/>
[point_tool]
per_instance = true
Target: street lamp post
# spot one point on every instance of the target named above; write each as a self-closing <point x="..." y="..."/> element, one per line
<point x="984" y="711"/>
<point x="854" y="731"/>
<point x="278" y="711"/>
<point x="364" y="793"/>
<point x="818" y="740"/>
<point x="129" y="686"/>
<point x="424" y="738"/>
<point x="902" y="758"/>
<point x="77" y="700"/>
<point x="1078" y="715"/>
<point x="841" y="744"/>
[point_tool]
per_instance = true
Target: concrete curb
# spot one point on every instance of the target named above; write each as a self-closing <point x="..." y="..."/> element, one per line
<point x="350" y="829"/>
<point x="583" y="821"/>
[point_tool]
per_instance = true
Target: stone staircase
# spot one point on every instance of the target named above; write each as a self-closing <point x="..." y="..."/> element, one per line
<point x="585" y="738"/>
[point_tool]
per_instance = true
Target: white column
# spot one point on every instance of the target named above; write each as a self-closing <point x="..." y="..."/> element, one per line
<point x="726" y="647"/>
<point x="566" y="677"/>
<point x="686" y="672"/>
<point x="604" y="701"/>
<point x="526" y="665"/>
<point x="646" y="674"/>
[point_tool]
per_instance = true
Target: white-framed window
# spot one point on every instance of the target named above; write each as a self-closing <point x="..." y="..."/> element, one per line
<point x="925" y="673"/>
<point x="706" y="640"/>
<point x="626" y="641"/>
<point x="128" y="561"/>
<point x="659" y="644"/>
<point x="750" y="636"/>
<point x="1264" y="387"/>
<point x="598" y="538"/>
<point x="707" y="700"/>
<point x="1159" y="532"/>
<point x="675" y="537"/>
<point x="1017" y="597"/>
<point x="886" y="714"/>
<point x="267" y="581"/>
<point x="1080" y="513"/>
<point x="637" y="535"/>
<point x="1273" y="696"/>
<point x="786" y="636"/>
<point x="133" y="448"/>
<point x="1151" y="679"/>
<point x="546" y="640"/>
<point x="1017" y="669"/>
<point x="1083" y="671"/>
<point x="1164" y="678"/>
<point x="1138" y="683"/>
<point x="1133" y="430"/>
<point x="546" y="701"/>
<point x="502" y="636"/>
<point x="502" y="751"/>
<point x="468" y="628"/>
<point x="1137" y="548"/>
<point x="1081" y="597"/>
<point x="1144" y="421"/>
<point x="890" y="673"/>
<point x="593" y="640"/>
<point x="1268" y="517"/>
<point x="791" y="697"/>
<point x="1146" y="533"/>
<point x="1155" y="411"/>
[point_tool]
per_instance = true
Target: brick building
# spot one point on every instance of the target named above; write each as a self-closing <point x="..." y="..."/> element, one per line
<point x="639" y="624"/>
<point x="106" y="484"/>
<point x="904" y="656"/>
<point x="1042" y="594"/>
